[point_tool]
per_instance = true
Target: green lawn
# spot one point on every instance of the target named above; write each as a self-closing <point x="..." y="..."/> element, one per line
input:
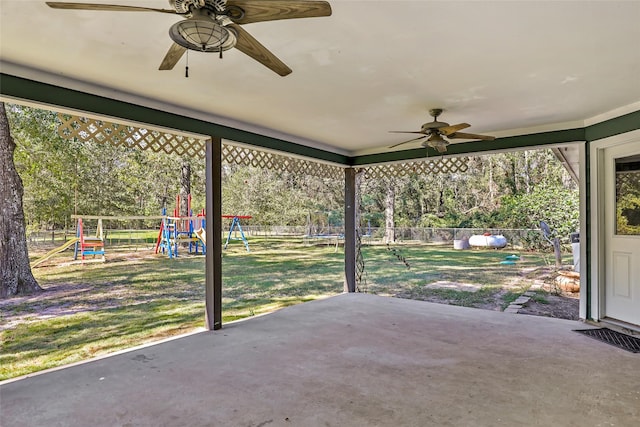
<point x="149" y="236"/>
<point x="137" y="297"/>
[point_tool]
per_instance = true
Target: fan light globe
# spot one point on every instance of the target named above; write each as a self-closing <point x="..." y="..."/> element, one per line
<point x="436" y="141"/>
<point x="202" y="35"/>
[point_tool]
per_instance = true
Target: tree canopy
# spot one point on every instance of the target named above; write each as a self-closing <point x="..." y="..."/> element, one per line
<point x="62" y="177"/>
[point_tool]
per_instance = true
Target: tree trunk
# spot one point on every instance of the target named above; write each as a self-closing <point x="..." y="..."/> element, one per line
<point x="389" y="212"/>
<point x="185" y="188"/>
<point x="514" y="176"/>
<point x="185" y="191"/>
<point x="527" y="173"/>
<point x="15" y="271"/>
<point x="492" y="185"/>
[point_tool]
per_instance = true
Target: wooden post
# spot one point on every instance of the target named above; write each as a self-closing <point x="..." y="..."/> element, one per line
<point x="213" y="257"/>
<point x="350" y="209"/>
<point x="557" y="251"/>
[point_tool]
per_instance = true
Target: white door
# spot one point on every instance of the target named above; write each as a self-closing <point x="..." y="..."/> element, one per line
<point x="622" y="232"/>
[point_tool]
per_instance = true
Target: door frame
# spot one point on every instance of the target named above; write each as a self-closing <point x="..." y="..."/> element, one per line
<point x="597" y="217"/>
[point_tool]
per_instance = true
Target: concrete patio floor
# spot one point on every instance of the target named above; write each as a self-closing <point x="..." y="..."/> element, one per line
<point x="350" y="360"/>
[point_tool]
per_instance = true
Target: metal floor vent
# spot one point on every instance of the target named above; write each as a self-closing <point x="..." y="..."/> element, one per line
<point x="625" y="342"/>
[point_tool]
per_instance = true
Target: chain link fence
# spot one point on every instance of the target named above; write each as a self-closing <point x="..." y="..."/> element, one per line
<point x="515" y="237"/>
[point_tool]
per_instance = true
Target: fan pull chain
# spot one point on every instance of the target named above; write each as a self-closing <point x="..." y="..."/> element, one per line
<point x="186" y="68"/>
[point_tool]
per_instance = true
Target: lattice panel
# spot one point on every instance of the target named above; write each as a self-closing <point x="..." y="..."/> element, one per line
<point x="86" y="129"/>
<point x="261" y="159"/>
<point x="629" y="181"/>
<point x="429" y="166"/>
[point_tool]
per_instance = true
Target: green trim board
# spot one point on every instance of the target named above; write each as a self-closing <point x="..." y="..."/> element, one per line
<point x="506" y="143"/>
<point x="618" y="125"/>
<point x="394" y="156"/>
<point x="31" y="90"/>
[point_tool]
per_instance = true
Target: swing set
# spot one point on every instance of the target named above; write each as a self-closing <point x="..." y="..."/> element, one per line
<point x="235" y="226"/>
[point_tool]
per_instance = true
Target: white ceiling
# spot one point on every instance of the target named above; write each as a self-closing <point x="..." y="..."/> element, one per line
<point x="371" y="67"/>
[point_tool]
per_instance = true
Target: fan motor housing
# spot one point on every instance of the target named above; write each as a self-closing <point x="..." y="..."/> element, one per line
<point x="186" y="6"/>
<point x="181" y="6"/>
<point x="433" y="125"/>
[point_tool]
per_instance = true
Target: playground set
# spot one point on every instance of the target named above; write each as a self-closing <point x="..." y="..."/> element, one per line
<point x="190" y="230"/>
<point x="88" y="245"/>
<point x="177" y="230"/>
<point x="83" y="245"/>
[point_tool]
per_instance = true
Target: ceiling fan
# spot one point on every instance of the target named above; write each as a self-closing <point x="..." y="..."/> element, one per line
<point x="435" y="130"/>
<point x="215" y="25"/>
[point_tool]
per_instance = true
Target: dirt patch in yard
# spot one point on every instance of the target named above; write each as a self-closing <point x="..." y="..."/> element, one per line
<point x="554" y="300"/>
<point x="60" y="299"/>
<point x="559" y="306"/>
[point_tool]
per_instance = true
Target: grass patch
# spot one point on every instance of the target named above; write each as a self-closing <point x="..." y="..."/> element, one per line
<point x="67" y="339"/>
<point x="461" y="298"/>
<point x="540" y="297"/>
<point x="137" y="297"/>
<point x="510" y="296"/>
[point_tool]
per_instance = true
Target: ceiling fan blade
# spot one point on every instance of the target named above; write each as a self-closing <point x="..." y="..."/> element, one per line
<point x="462" y="135"/>
<point x="271" y="10"/>
<point x="407" y="131"/>
<point x="252" y="47"/>
<point x="107" y="7"/>
<point x="406" y="142"/>
<point x="172" y="57"/>
<point x="448" y="130"/>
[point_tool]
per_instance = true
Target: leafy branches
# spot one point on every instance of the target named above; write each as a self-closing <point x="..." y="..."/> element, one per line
<point x="507" y="190"/>
<point x="558" y="207"/>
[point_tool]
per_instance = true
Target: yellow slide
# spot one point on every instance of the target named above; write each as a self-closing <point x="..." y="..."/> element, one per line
<point x="202" y="235"/>
<point x="54" y="251"/>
